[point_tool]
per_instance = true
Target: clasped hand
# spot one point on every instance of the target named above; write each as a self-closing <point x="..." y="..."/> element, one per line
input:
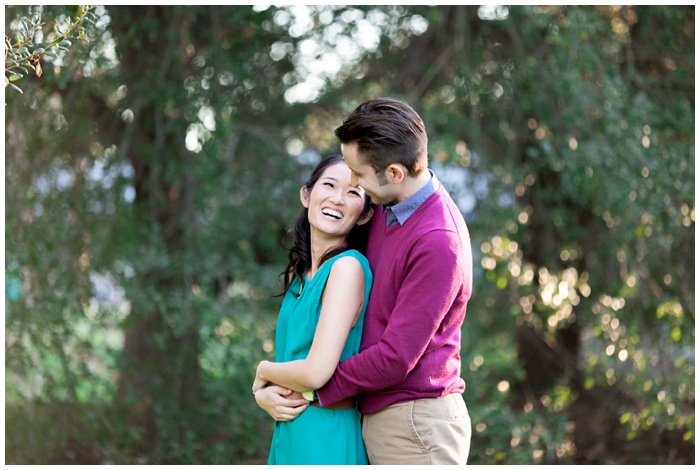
<point x="282" y="404"/>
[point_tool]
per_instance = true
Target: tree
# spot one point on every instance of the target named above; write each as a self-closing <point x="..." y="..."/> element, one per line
<point x="173" y="232"/>
<point x="152" y="174"/>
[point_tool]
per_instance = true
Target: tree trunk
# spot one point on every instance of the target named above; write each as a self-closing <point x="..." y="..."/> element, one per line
<point x="160" y="373"/>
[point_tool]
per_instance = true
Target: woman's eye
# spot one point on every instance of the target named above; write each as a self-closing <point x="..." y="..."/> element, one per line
<point x="355" y="193"/>
<point x="330" y="185"/>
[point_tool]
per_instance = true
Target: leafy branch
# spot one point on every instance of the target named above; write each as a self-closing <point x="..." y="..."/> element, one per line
<point x="25" y="51"/>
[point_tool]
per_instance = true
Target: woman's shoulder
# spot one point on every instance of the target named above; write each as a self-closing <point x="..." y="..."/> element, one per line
<point x="351" y="257"/>
<point x="351" y="263"/>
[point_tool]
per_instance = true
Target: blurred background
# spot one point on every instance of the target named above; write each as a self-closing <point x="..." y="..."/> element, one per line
<point x="153" y="157"/>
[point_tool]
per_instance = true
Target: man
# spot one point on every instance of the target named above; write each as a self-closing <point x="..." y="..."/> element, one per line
<point x="407" y="374"/>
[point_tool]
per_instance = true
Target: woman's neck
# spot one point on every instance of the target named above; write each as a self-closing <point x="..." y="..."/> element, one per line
<point x="320" y="247"/>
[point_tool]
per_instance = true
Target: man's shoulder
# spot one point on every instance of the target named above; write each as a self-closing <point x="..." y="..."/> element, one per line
<point x="440" y="213"/>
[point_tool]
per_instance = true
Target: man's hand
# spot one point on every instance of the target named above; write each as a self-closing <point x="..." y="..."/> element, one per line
<point x="280" y="403"/>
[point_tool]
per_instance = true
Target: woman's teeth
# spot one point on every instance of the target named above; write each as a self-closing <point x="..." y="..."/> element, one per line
<point x="332" y="213"/>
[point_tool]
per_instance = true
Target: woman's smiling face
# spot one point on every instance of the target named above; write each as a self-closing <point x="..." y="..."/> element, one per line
<point x="334" y="203"/>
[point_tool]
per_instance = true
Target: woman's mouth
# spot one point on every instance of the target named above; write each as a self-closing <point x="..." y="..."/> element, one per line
<point x="332" y="213"/>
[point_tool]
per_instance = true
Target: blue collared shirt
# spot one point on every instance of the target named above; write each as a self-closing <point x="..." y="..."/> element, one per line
<point x="399" y="213"/>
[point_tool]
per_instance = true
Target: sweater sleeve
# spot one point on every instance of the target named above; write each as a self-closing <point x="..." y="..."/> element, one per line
<point x="433" y="276"/>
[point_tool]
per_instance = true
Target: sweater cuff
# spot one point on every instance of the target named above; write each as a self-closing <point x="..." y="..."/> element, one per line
<point x="329" y="394"/>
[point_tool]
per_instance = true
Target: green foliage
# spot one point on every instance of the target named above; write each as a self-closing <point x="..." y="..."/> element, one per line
<point x="150" y="179"/>
<point x="25" y="51"/>
<point x="607" y="189"/>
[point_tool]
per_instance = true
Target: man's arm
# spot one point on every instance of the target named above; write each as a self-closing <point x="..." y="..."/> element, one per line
<point x="423" y="300"/>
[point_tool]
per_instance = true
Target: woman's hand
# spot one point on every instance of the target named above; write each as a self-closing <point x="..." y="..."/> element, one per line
<point x="280" y="403"/>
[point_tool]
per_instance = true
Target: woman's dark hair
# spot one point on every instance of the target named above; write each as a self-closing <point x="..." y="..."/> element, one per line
<point x="387" y="131"/>
<point x="300" y="251"/>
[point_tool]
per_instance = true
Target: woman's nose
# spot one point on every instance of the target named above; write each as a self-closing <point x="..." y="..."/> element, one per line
<point x="337" y="198"/>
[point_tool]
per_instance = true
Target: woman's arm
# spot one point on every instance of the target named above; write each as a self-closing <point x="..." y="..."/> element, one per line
<point x="342" y="303"/>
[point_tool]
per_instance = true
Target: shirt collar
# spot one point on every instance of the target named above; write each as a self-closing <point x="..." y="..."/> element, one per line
<point x="401" y="211"/>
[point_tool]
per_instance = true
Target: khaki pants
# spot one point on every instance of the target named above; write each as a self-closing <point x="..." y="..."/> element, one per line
<point x="428" y="431"/>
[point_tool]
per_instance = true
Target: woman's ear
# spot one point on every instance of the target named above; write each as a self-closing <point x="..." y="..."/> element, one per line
<point x="304" y="196"/>
<point x="366" y="218"/>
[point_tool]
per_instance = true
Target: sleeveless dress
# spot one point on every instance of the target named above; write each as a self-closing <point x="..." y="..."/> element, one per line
<point x="318" y="436"/>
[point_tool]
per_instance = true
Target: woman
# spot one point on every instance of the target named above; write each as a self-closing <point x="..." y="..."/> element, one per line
<point x="327" y="283"/>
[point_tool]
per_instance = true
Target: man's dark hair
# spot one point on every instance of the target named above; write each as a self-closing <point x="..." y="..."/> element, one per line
<point x="387" y="131"/>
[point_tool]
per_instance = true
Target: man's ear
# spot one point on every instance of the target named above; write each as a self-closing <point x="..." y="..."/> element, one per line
<point x="366" y="218"/>
<point x="304" y="196"/>
<point x="395" y="173"/>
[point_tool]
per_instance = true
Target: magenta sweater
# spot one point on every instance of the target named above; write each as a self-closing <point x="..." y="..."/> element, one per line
<point x="411" y="339"/>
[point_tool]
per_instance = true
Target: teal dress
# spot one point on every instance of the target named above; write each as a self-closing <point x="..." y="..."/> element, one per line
<point x="318" y="436"/>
